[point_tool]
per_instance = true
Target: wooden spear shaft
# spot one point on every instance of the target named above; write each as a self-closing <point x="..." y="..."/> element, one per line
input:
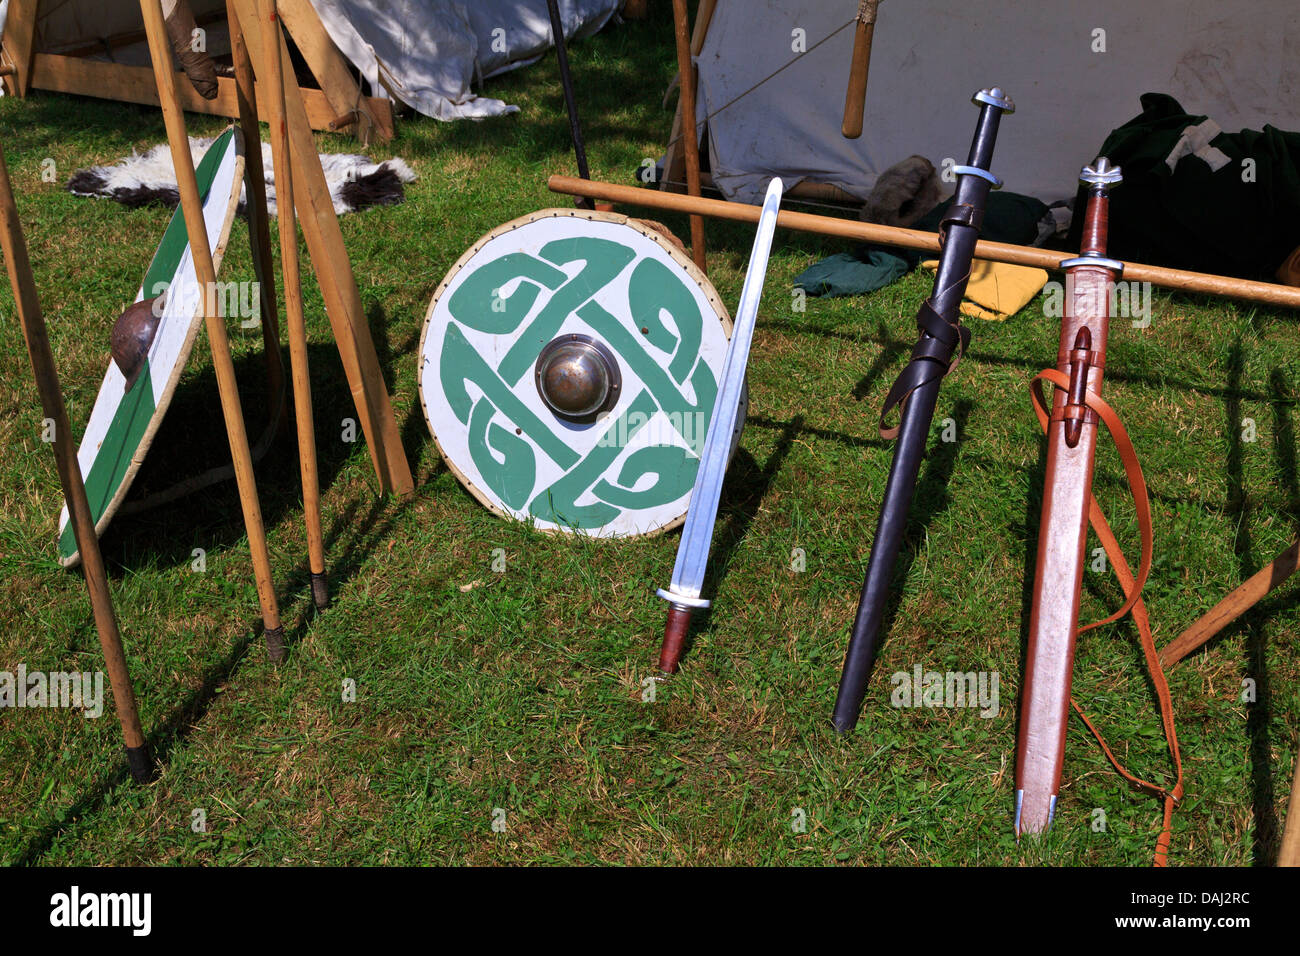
<point x="855" y="97"/>
<point x="1289" y="854"/>
<point x="259" y="230"/>
<point x="690" y="132"/>
<point x="224" y="366"/>
<point x="1240" y="600"/>
<point x="1249" y="290"/>
<point x="74" y="488"/>
<point x="274" y="82"/>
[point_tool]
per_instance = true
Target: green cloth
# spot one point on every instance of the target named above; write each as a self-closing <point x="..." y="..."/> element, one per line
<point x="1192" y="216"/>
<point x="845" y="274"/>
<point x="1008" y="217"/>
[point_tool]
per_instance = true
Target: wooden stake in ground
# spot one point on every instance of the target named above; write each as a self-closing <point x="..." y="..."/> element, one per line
<point x="227" y="386"/>
<point x="274" y="85"/>
<point x="74" y="489"/>
<point x="690" y="132"/>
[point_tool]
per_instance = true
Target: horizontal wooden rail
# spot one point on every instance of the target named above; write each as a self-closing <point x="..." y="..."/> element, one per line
<point x="1265" y="292"/>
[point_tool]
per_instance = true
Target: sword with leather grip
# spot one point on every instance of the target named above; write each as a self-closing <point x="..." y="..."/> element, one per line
<point x="1063" y="529"/>
<point x="915" y="392"/>
<point x="683" y="592"/>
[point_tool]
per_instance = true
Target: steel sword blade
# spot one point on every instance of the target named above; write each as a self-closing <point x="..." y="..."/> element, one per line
<point x="697" y="534"/>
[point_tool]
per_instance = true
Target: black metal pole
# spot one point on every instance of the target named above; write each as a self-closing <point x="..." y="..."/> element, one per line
<point x="916" y="393"/>
<point x="570" y="102"/>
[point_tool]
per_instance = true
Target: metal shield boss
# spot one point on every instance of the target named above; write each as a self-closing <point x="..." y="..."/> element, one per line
<point x="569" y="365"/>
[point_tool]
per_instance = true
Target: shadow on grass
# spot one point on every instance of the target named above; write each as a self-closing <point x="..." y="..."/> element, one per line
<point x="1265" y="837"/>
<point x="354" y="540"/>
<point x="742" y="495"/>
<point x="931" y="499"/>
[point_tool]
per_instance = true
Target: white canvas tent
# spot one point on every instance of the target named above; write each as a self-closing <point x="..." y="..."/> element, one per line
<point x="428" y="54"/>
<point x="1236" y="64"/>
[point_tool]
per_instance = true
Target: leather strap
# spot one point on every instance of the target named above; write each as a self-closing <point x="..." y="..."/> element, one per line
<point x="962" y="214"/>
<point x="932" y="357"/>
<point x="1133" y="597"/>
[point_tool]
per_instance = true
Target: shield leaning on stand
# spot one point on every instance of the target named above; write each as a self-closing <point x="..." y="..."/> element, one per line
<point x="569" y="364"/>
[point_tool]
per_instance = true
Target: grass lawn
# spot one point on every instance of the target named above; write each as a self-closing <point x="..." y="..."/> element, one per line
<point x="522" y="690"/>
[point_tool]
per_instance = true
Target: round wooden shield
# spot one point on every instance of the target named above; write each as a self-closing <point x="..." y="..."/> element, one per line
<point x="569" y="364"/>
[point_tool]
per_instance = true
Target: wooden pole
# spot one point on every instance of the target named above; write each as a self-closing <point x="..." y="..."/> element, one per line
<point x="690" y="131"/>
<point x="338" y="284"/>
<point x="259" y="229"/>
<point x="274" y="84"/>
<point x="227" y="386"/>
<point x="74" y="488"/>
<point x="855" y="97"/>
<point x="1240" y="600"/>
<point x="1267" y="293"/>
<point x="674" y="161"/>
<point x="1289" y="854"/>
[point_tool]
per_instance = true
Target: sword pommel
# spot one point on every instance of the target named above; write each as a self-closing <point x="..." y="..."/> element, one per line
<point x="994" y="96"/>
<point x="1101" y="175"/>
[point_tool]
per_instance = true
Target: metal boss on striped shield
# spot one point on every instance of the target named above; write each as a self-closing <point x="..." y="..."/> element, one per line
<point x="569" y="366"/>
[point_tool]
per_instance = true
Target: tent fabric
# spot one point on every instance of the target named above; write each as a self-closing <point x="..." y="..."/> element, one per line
<point x="1234" y="63"/>
<point x="427" y="53"/>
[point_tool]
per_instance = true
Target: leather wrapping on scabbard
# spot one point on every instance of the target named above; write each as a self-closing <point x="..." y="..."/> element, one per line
<point x="943" y="338"/>
<point x="941" y="335"/>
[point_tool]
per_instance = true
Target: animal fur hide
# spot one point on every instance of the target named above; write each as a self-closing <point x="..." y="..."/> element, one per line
<point x="355" y="182"/>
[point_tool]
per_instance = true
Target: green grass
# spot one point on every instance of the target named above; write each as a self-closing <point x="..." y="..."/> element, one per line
<point x="523" y="690"/>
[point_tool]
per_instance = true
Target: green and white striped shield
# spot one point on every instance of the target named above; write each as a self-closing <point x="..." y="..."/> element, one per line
<point x="123" y="422"/>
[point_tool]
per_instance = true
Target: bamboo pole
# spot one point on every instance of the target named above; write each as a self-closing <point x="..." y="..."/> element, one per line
<point x="74" y="488"/>
<point x="279" y="135"/>
<point x="691" y="133"/>
<point x="1240" y="600"/>
<point x="1267" y="293"/>
<point x="259" y="230"/>
<point x="227" y="386"/>
<point x="1289" y="853"/>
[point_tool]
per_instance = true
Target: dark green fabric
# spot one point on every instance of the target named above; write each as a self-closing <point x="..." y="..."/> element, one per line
<point x="1008" y="217"/>
<point x="1192" y="217"/>
<point x="844" y="274"/>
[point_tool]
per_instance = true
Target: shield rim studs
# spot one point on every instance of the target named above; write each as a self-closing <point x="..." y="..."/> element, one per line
<point x="606" y="358"/>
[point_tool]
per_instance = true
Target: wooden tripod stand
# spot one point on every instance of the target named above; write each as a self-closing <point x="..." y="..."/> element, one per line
<point x="333" y="270"/>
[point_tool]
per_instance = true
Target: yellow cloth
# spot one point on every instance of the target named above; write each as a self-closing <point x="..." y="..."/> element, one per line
<point x="997" y="290"/>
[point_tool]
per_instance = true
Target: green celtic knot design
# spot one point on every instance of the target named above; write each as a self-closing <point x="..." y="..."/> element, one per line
<point x="506" y="456"/>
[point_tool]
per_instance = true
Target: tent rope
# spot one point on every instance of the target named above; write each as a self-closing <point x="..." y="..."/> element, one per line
<point x="739" y="96"/>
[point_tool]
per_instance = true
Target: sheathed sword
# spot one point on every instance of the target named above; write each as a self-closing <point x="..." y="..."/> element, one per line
<point x="915" y="392"/>
<point x="683" y="594"/>
<point x="1063" y="529"/>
